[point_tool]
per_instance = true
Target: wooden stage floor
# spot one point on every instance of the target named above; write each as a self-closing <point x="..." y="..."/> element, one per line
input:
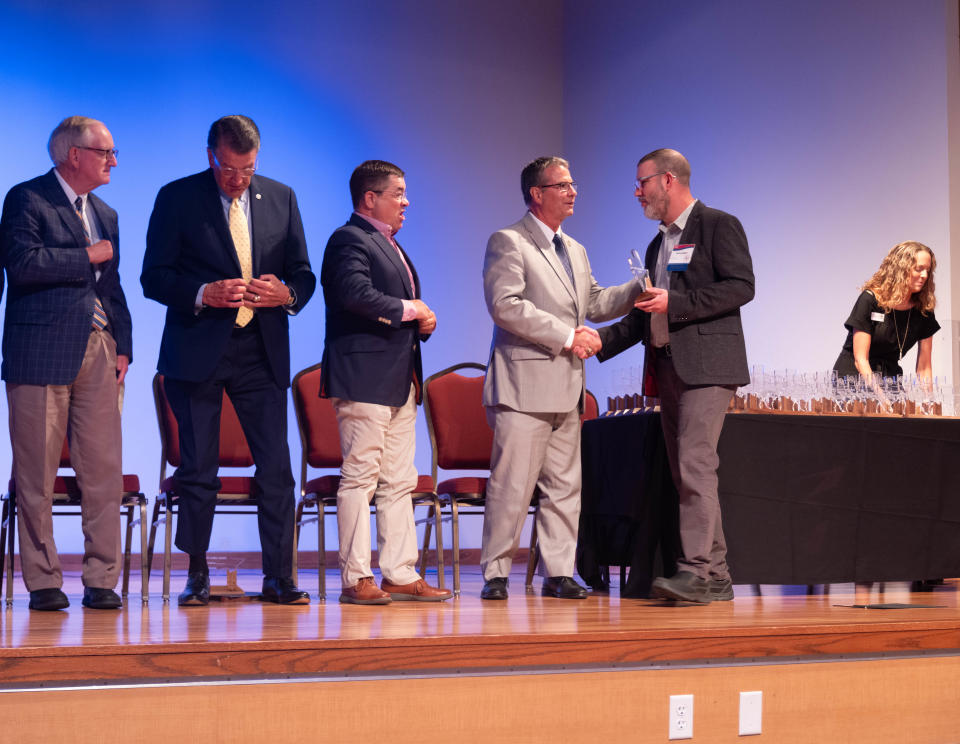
<point x="249" y="640"/>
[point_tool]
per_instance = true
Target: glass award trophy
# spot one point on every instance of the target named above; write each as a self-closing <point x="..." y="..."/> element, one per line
<point x="641" y="274"/>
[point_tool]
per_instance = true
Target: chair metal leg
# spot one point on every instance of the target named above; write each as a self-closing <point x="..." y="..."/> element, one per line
<point x="427" y="528"/>
<point x="153" y="534"/>
<point x="441" y="574"/>
<point x="125" y="584"/>
<point x="533" y="556"/>
<point x="167" y="540"/>
<point x="455" y="528"/>
<point x="11" y="538"/>
<point x="321" y="551"/>
<point x="144" y="566"/>
<point x="296" y="540"/>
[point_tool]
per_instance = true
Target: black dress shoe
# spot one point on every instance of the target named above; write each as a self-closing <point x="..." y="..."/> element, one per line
<point x="721" y="590"/>
<point x="101" y="599"/>
<point x="562" y="587"/>
<point x="197" y="590"/>
<point x="682" y="587"/>
<point x="282" y="591"/>
<point x="495" y="588"/>
<point x="48" y="599"/>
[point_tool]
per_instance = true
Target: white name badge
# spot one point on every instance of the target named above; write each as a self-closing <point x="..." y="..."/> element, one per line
<point x="680" y="257"/>
<point x="876" y="317"/>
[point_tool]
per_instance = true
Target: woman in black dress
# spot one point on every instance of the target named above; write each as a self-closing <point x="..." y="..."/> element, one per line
<point x="893" y="312"/>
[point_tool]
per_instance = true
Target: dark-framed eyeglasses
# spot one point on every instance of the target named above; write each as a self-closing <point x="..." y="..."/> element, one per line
<point x="563" y="186"/>
<point x="105" y="153"/>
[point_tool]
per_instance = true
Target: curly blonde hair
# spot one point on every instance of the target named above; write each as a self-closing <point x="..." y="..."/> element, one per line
<point x="890" y="284"/>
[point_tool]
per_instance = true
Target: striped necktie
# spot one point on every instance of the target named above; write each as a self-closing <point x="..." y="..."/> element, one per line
<point x="99" y="321"/>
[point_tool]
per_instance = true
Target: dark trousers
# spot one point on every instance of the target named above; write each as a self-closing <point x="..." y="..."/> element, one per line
<point x="261" y="405"/>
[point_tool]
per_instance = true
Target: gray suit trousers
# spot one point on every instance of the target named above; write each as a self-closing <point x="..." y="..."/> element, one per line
<point x="692" y="418"/>
<point x="532" y="450"/>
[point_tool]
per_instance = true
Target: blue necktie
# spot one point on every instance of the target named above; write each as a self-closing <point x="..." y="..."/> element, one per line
<point x="564" y="258"/>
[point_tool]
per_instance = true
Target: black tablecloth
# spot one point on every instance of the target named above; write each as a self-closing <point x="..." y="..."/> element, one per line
<point x="805" y="499"/>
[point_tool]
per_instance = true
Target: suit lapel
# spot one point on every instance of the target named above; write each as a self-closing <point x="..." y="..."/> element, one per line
<point x="214" y="207"/>
<point x="68" y="215"/>
<point x="258" y="216"/>
<point x="389" y="253"/>
<point x="549" y="253"/>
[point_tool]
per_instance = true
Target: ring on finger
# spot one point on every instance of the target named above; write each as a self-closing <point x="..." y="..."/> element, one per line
<point x="256" y="298"/>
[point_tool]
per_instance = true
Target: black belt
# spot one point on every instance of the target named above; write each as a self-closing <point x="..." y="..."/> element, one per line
<point x="663" y="351"/>
<point x="248" y="328"/>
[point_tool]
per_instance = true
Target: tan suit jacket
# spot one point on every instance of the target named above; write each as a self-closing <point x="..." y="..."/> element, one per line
<point x="534" y="306"/>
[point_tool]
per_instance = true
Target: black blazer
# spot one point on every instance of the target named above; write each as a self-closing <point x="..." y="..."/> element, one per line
<point x="52" y="284"/>
<point x="189" y="244"/>
<point x="703" y="305"/>
<point x="369" y="355"/>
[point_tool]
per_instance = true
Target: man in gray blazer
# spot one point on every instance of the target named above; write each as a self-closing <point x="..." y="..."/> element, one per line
<point x="696" y="356"/>
<point x="539" y="290"/>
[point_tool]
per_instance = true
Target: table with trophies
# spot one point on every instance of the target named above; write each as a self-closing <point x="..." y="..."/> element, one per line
<point x="821" y="481"/>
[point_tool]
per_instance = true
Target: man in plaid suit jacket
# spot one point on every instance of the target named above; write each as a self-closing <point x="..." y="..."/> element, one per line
<point x="66" y="347"/>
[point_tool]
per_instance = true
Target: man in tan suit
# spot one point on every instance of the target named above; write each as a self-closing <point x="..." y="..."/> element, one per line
<point x="539" y="290"/>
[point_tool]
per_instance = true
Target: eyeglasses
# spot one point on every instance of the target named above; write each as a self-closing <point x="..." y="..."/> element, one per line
<point x="231" y="172"/>
<point x="398" y="195"/>
<point x="104" y="153"/>
<point x="563" y="187"/>
<point x="639" y="183"/>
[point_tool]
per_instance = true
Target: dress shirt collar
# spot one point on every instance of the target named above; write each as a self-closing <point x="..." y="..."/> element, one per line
<point x="681" y="221"/>
<point x="71" y="194"/>
<point x="548" y="233"/>
<point x="381" y="227"/>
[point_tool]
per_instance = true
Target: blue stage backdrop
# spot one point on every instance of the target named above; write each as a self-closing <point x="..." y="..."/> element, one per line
<point x="823" y="127"/>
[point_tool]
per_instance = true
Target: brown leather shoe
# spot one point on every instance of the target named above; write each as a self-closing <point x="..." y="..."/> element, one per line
<point x="418" y="591"/>
<point x="364" y="593"/>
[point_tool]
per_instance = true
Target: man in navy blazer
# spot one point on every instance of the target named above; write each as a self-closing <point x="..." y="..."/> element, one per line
<point x="372" y="372"/>
<point x="66" y="347"/>
<point x="227" y="255"/>
<point x="702" y="275"/>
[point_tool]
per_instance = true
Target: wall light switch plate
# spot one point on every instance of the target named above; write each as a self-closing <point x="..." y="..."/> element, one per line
<point x="751" y="712"/>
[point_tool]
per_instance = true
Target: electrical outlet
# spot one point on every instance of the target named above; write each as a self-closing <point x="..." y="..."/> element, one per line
<point x="681" y="717"/>
<point x="751" y="712"/>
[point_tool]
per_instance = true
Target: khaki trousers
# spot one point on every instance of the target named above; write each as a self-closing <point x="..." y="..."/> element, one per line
<point x="39" y="417"/>
<point x="378" y="444"/>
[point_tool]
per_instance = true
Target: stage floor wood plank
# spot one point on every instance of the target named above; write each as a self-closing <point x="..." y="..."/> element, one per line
<point x="253" y="640"/>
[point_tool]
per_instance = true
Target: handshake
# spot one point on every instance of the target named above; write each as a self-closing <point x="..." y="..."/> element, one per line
<point x="586" y="342"/>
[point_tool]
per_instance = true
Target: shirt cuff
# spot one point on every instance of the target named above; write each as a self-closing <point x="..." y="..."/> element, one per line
<point x="198" y="303"/>
<point x="409" y="311"/>
<point x="569" y="342"/>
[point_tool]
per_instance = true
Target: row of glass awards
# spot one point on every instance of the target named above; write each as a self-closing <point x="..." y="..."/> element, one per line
<point x="788" y="391"/>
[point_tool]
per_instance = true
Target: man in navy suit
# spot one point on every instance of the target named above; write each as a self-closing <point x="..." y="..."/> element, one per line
<point x="690" y="324"/>
<point x="227" y="255"/>
<point x="66" y="347"/>
<point x="372" y="372"/>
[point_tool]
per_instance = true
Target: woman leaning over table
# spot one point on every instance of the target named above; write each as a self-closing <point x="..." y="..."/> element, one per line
<point x="893" y="312"/>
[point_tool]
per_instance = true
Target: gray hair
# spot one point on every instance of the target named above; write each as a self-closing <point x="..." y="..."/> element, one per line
<point x="532" y="173"/>
<point x="71" y="132"/>
<point x="669" y="161"/>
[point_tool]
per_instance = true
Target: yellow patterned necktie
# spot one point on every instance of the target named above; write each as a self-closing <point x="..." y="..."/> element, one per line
<point x="241" y="243"/>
